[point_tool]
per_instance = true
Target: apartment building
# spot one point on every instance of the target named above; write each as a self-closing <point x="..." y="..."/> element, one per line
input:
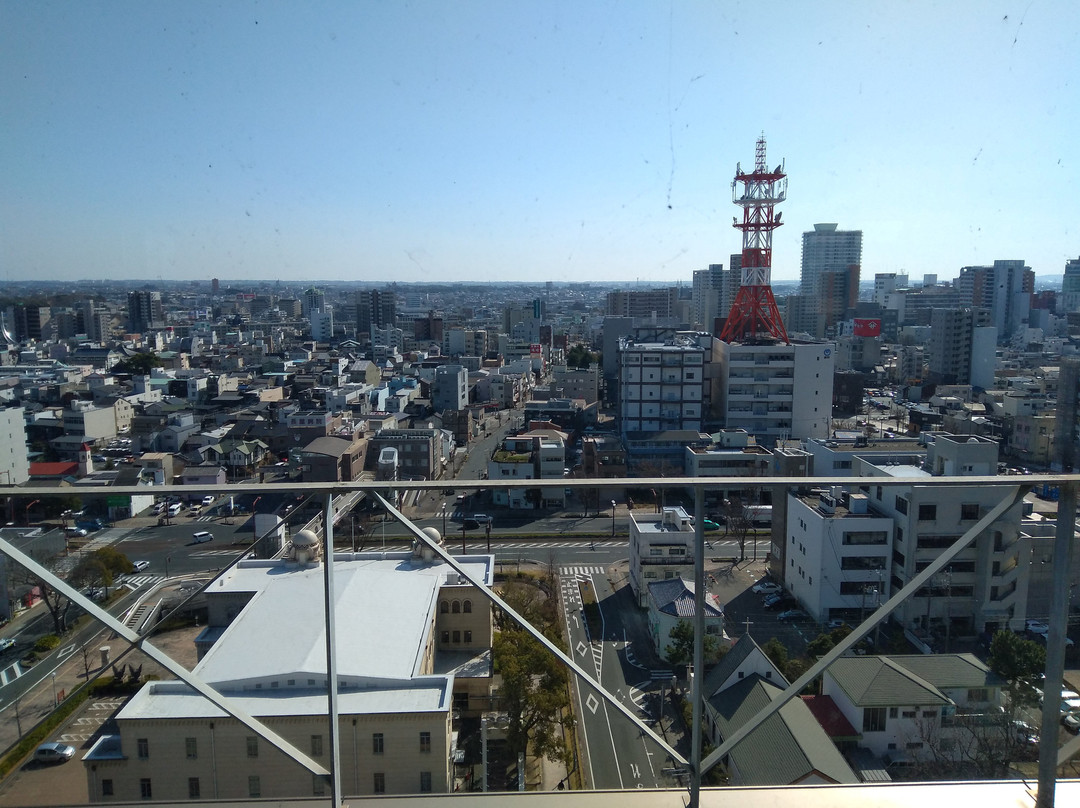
<point x="776" y="391"/>
<point x="664" y="384"/>
<point x="264" y="649"/>
<point x="535" y="455"/>
<point x="661" y="547"/>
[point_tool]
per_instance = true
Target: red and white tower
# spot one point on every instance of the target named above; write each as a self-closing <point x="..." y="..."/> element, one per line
<point x="754" y="313"/>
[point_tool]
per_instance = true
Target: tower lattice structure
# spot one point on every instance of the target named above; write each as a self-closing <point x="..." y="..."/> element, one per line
<point x="754" y="313"/>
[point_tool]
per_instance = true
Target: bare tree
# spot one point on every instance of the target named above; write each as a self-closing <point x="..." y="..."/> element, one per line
<point x="57" y="604"/>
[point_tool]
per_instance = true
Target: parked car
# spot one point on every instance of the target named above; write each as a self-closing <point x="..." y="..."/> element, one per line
<point x="766" y="587"/>
<point x="54" y="752"/>
<point x="140" y="565"/>
<point x="791" y="614"/>
<point x="1071" y="722"/>
<point x="781" y="601"/>
<point x="207" y="500"/>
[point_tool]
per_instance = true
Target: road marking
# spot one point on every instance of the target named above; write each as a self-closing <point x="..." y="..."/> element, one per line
<point x="592" y="703"/>
<point x="67" y="650"/>
<point x="582" y="648"/>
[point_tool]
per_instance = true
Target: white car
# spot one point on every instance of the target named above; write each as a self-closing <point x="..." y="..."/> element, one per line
<point x="766" y="588"/>
<point x="207" y="500"/>
<point x="54" y="753"/>
<point x="1037" y="627"/>
<point x="140" y="565"/>
<point x="6" y="643"/>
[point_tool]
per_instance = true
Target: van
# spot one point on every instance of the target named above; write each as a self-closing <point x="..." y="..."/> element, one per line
<point x="174" y="509"/>
<point x="202" y="536"/>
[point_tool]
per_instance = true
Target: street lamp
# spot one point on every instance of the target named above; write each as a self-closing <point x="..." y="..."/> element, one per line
<point x="28" y="507"/>
<point x="254" y="530"/>
<point x="167" y="560"/>
<point x="612" y="517"/>
<point x="53" y="674"/>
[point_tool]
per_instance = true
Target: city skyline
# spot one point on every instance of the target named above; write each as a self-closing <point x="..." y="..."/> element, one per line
<point x="482" y="142"/>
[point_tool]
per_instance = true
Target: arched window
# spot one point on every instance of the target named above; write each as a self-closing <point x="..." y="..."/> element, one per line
<point x="468" y="607"/>
<point x="444" y="607"/>
<point x="456" y="607"/>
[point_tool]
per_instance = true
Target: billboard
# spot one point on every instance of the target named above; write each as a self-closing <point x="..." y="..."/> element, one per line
<point x="867" y="327"/>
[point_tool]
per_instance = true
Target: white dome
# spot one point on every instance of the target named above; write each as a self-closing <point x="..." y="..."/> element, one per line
<point x="305" y="538"/>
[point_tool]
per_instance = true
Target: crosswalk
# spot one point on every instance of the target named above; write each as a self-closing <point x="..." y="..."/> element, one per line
<point x="10" y="673"/>
<point x="138" y="581"/>
<point x="586" y="570"/>
<point x="529" y="545"/>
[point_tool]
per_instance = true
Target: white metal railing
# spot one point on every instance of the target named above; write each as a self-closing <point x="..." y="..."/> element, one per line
<point x="1013" y="490"/>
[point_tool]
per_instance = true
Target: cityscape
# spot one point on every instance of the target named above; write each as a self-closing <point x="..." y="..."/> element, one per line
<point x="390" y="410"/>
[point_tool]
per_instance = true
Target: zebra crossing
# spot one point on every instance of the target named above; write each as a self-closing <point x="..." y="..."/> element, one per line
<point x="582" y="570"/>
<point x="212" y="553"/>
<point x="138" y="581"/>
<point x="530" y="545"/>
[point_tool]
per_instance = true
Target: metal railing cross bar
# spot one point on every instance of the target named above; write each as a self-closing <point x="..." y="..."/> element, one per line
<point x="163" y="659"/>
<point x="494" y="597"/>
<point x="864" y="628"/>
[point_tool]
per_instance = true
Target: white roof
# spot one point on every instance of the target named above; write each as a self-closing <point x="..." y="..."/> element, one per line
<point x="383" y="604"/>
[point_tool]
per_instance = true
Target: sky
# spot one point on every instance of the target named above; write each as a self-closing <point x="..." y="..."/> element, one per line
<point x="527" y="141"/>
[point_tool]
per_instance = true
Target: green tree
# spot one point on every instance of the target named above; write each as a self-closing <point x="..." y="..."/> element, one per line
<point x="140" y="364"/>
<point x="681" y="649"/>
<point x="1019" y="662"/>
<point x="777" y="653"/>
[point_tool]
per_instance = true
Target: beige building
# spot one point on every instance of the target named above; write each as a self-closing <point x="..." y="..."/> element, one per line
<point x="413" y="650"/>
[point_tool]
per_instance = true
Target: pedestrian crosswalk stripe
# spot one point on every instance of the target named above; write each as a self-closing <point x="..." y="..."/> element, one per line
<point x="135" y="581"/>
<point x="595" y="569"/>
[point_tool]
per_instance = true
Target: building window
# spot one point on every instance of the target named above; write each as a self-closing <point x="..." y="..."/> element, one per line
<point x="377" y="743"/>
<point x="468" y="637"/>
<point x="425" y="782"/>
<point x="446" y="637"/>
<point x="379" y="786"/>
<point x="254" y="787"/>
<point x="252" y="745"/>
<point x="901" y="505"/>
<point x="467" y="607"/>
<point x="455" y="607"/>
<point x="146" y="791"/>
<point x="927" y="513"/>
<point x="106" y="788"/>
<point x="316" y="745"/>
<point x="193" y="791"/>
<point x="894" y="712"/>
<point x="191" y="748"/>
<point x="425" y="741"/>
<point x="143" y="747"/>
<point x="457" y="637"/>
<point x="318" y="785"/>
<point x="444" y="607"/>
<point x="873" y="719"/>
<point x="969" y="511"/>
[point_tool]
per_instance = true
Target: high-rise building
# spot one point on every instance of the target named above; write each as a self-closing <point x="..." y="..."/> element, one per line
<point x="957" y="338"/>
<point x="1070" y="287"/>
<point x="374" y="309"/>
<point x="647" y="306"/>
<point x="1004" y="288"/>
<point x="313" y="300"/>
<point x="145" y="311"/>
<point x="826" y="250"/>
<point x="706" y="296"/>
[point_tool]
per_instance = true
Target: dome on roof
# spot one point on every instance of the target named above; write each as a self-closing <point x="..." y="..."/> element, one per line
<point x="305" y="538"/>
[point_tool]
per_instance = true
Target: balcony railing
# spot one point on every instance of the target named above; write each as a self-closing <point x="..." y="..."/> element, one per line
<point x="696" y="763"/>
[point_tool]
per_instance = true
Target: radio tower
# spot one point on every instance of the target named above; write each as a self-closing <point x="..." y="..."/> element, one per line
<point x="754" y="313"/>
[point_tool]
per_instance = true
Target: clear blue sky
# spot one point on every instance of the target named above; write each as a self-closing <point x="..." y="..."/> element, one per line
<point x="532" y="141"/>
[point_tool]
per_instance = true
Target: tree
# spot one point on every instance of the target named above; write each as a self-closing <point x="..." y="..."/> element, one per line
<point x="534" y="691"/>
<point x="681" y="649"/>
<point x="100" y="568"/>
<point x="1020" y="662"/>
<point x="56" y="603"/>
<point x="737" y="523"/>
<point x="140" y="364"/>
<point x="776" y="652"/>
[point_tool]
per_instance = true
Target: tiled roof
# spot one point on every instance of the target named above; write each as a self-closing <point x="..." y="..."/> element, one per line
<point x="676" y="596"/>
<point x="877" y="681"/>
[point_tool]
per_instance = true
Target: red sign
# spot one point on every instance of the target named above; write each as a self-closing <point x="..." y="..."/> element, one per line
<point x="867" y="328"/>
<point x="535" y="349"/>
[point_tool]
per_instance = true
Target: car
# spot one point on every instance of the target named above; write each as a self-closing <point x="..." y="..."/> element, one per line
<point x="207" y="500"/>
<point x="1071" y="722"/>
<point x="6" y="643"/>
<point x="76" y="531"/>
<point x="459" y="499"/>
<point x="835" y="623"/>
<point x="791" y="614"/>
<point x="202" y="536"/>
<point x="771" y="598"/>
<point x="470" y="524"/>
<point x="482" y="518"/>
<point x="140" y="565"/>
<point x="1037" y="627"/>
<point x="766" y="588"/>
<point x="709" y="525"/>
<point x="54" y="753"/>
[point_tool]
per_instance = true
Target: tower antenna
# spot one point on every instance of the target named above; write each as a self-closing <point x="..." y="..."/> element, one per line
<point x="754" y="313"/>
